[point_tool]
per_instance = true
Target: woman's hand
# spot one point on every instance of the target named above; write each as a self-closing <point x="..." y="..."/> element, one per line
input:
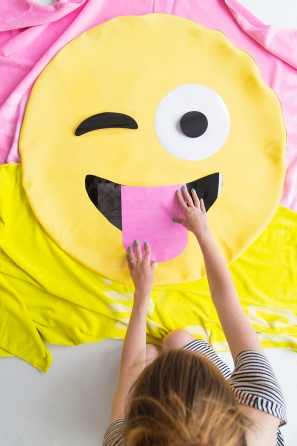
<point x="195" y="214"/>
<point x="141" y="270"/>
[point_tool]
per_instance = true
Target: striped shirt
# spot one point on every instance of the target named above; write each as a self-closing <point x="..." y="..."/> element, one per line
<point x="252" y="381"/>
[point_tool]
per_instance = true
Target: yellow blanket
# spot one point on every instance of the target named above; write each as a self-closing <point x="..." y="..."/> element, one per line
<point x="45" y="294"/>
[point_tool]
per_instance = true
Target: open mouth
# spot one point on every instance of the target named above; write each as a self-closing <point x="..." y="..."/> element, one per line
<point x="146" y="213"/>
<point x="107" y="195"/>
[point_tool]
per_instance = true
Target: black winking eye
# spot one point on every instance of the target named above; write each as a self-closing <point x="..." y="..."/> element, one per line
<point x="106" y="120"/>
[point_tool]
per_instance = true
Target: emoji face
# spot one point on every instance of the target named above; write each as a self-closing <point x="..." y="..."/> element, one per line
<point x="135" y="108"/>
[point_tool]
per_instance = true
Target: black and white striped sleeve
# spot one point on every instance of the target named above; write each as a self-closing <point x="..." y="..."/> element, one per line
<point x="205" y="349"/>
<point x="114" y="434"/>
<point x="254" y="384"/>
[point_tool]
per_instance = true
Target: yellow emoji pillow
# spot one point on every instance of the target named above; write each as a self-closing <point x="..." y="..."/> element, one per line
<point x="133" y="109"/>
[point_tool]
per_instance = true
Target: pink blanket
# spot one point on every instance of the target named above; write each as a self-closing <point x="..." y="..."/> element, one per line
<point x="31" y="35"/>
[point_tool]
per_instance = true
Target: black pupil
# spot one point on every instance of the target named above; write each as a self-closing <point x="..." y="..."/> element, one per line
<point x="193" y="124"/>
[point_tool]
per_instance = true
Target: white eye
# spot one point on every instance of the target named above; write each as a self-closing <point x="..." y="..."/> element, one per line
<point x="192" y="122"/>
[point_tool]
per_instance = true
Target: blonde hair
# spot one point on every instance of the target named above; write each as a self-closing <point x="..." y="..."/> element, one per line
<point x="182" y="399"/>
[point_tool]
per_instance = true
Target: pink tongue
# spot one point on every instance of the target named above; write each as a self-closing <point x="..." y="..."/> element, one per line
<point x="147" y="214"/>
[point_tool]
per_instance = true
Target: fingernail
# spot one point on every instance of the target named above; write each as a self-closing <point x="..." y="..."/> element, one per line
<point x="155" y="263"/>
<point x="174" y="220"/>
<point x="146" y="244"/>
<point x="130" y="248"/>
<point x="136" y="242"/>
<point x="185" y="187"/>
<point x="201" y="199"/>
<point x="193" y="190"/>
<point x="178" y="191"/>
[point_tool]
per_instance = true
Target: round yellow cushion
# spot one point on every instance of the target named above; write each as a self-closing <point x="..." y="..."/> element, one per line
<point x="128" y="65"/>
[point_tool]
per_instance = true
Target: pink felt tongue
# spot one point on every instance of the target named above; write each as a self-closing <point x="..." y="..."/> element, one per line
<point x="147" y="214"/>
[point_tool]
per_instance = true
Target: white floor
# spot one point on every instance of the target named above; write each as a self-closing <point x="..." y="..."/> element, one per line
<point x="70" y="405"/>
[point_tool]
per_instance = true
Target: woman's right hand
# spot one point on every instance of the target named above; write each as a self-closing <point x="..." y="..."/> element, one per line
<point x="195" y="214"/>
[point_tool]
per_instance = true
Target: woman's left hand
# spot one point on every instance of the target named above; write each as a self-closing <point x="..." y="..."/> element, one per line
<point x="141" y="270"/>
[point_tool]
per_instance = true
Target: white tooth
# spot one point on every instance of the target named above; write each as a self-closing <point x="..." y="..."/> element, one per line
<point x="220" y="183"/>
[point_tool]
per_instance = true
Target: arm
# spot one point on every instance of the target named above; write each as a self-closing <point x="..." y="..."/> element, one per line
<point x="237" y="328"/>
<point x="239" y="333"/>
<point x="134" y="347"/>
<point x="264" y="426"/>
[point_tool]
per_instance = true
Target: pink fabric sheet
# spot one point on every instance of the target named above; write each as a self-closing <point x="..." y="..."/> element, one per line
<point x="31" y="35"/>
<point x="148" y="212"/>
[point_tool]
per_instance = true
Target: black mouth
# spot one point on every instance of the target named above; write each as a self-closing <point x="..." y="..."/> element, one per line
<point x="106" y="195"/>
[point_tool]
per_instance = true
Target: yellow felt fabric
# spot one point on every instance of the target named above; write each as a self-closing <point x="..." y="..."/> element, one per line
<point x="127" y="65"/>
<point x="45" y="294"/>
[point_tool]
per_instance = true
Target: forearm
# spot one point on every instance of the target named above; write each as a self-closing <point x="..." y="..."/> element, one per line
<point x="132" y="358"/>
<point x="236" y="326"/>
<point x="218" y="275"/>
<point x="134" y="347"/>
